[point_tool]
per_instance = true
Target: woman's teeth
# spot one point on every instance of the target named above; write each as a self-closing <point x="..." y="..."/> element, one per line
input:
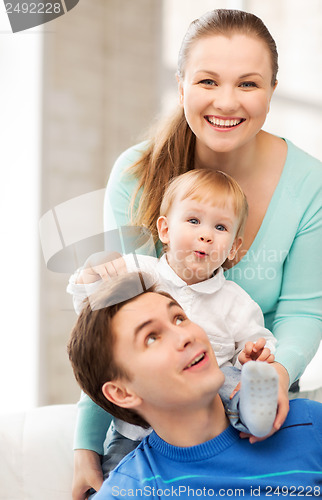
<point x="218" y="122"/>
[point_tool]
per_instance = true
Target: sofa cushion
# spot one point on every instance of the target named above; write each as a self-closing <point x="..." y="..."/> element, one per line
<point x="36" y="458"/>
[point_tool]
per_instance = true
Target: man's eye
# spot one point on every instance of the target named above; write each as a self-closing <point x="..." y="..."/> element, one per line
<point x="151" y="338"/>
<point x="193" y="221"/>
<point x="220" y="227"/>
<point x="179" y="319"/>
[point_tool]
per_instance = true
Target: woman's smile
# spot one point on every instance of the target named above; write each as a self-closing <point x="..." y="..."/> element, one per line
<point x="222" y="123"/>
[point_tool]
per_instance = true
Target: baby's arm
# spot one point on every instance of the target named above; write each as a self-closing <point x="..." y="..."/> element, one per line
<point x="101" y="265"/>
<point x="107" y="265"/>
<point x="251" y="328"/>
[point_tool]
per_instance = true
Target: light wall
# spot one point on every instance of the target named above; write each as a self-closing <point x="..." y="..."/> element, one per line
<point x="102" y="89"/>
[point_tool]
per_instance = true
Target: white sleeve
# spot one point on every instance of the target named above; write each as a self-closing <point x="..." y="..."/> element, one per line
<point x="142" y="263"/>
<point x="251" y="328"/>
<point x="80" y="291"/>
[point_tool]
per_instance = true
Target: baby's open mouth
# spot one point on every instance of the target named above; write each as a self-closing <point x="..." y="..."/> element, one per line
<point x="200" y="254"/>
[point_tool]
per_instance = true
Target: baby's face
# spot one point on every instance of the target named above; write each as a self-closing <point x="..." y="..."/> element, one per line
<point x="200" y="236"/>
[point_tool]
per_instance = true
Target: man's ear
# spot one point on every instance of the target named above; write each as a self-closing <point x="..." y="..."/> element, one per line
<point x="234" y="249"/>
<point x="163" y="229"/>
<point x="119" y="394"/>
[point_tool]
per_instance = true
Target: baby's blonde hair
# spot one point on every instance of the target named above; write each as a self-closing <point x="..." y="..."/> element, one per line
<point x="205" y="185"/>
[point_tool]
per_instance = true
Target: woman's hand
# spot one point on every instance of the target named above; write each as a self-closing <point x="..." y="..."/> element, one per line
<point x="283" y="403"/>
<point x="87" y="473"/>
<point x="101" y="265"/>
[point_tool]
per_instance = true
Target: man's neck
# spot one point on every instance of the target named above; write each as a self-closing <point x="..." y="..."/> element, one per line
<point x="190" y="428"/>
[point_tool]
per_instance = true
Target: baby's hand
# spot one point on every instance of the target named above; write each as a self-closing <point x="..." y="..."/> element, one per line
<point x="256" y="351"/>
<point x="101" y="265"/>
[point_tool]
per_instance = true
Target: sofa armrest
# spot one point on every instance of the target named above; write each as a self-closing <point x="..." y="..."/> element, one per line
<point x="36" y="459"/>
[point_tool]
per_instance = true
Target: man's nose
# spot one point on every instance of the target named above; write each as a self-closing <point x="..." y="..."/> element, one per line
<point x="183" y="337"/>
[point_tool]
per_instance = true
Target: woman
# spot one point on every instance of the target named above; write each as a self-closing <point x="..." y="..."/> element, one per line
<point x="226" y="78"/>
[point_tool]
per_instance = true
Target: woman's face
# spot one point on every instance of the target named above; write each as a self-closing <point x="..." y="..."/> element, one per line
<point x="226" y="91"/>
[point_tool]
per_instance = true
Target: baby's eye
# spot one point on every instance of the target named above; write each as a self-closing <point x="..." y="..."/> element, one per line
<point x="151" y="339"/>
<point x="193" y="220"/>
<point x="220" y="227"/>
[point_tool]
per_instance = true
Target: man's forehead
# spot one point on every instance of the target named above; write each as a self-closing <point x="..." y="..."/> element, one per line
<point x="140" y="312"/>
<point x="144" y="303"/>
<point x="150" y="306"/>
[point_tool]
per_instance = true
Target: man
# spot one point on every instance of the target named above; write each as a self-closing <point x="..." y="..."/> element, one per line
<point x="141" y="359"/>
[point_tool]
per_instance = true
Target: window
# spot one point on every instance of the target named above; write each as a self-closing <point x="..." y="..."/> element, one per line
<point x="20" y="159"/>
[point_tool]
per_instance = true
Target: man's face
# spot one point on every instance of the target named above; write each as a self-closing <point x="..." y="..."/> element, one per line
<point x="169" y="358"/>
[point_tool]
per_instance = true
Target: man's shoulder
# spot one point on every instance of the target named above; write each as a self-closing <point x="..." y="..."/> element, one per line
<point x="304" y="412"/>
<point x="128" y="476"/>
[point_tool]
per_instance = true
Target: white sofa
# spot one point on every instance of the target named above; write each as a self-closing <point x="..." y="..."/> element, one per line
<point x="36" y="453"/>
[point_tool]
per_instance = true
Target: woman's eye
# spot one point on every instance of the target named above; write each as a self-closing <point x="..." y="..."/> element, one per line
<point x="208" y="81"/>
<point x="193" y="221"/>
<point x="220" y="227"/>
<point x="248" y="85"/>
<point x="150" y="339"/>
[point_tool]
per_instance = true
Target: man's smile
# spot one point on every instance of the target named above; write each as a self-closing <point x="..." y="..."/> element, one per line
<point x="199" y="359"/>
